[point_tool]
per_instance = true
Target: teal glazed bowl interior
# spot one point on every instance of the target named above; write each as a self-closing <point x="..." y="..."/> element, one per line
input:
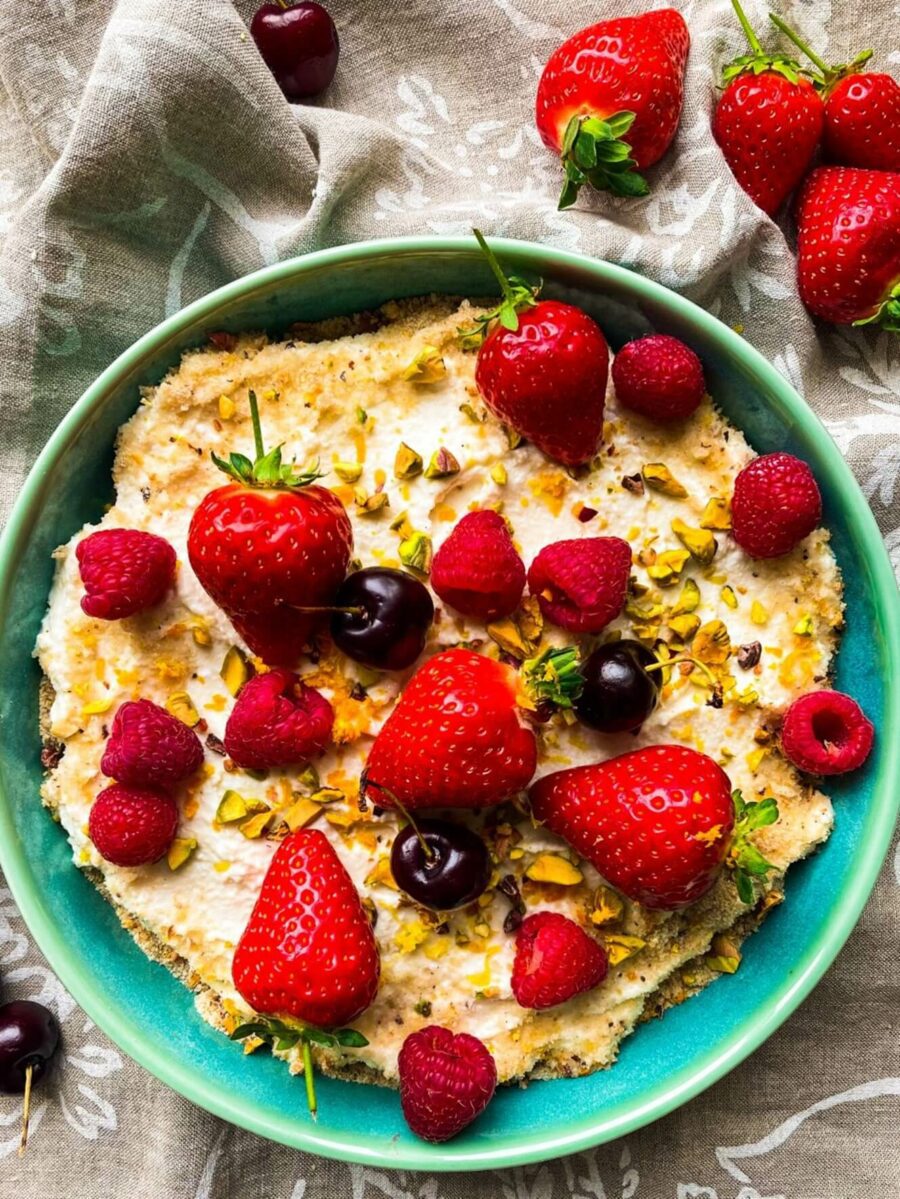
<point x="666" y="1062"/>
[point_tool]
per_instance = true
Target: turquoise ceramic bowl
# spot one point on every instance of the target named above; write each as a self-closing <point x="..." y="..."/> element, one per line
<point x="151" y="1016"/>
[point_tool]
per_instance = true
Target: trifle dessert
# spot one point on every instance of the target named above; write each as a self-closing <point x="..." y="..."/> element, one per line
<point x="438" y="702"/>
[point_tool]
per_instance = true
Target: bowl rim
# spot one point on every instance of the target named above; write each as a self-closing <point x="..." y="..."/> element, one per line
<point x="573" y="1134"/>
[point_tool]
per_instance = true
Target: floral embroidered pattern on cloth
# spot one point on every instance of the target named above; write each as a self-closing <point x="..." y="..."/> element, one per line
<point x="146" y="157"/>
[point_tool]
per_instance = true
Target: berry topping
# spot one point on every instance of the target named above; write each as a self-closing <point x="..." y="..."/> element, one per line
<point x="131" y="826"/>
<point x="555" y="959"/>
<point x="439" y="864"/>
<point x="776" y="503"/>
<point x="618" y="693"/>
<point x="446" y="1081"/>
<point x="382" y="617"/>
<point x="581" y="584"/>
<point x="659" y="377"/>
<point x="277" y="721"/>
<point x="148" y="747"/>
<point x="299" y="45"/>
<point x="826" y="732"/>
<point x="477" y="570"/>
<point x="124" y="571"/>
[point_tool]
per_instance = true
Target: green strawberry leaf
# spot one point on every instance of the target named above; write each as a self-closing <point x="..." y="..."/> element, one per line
<point x="554" y="675"/>
<point x="887" y="314"/>
<point x="350" y="1038"/>
<point x="267" y="470"/>
<point x="743" y="856"/>
<point x="517" y="295"/>
<point x="593" y="151"/>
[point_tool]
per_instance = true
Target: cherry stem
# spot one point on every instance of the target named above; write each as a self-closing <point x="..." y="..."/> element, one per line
<point x="496" y="269"/>
<point x="674" y="662"/>
<point x="26" y="1109"/>
<point x="747" y="27"/>
<point x="309" y="1079"/>
<point x="426" y="848"/>
<point x="349" y="611"/>
<point x="257" y="427"/>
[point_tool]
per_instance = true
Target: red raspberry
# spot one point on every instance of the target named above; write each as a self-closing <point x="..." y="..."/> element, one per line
<point x="581" y="584"/>
<point x="446" y="1081"/>
<point x="555" y="959"/>
<point x="826" y="732"/>
<point x="659" y="377"/>
<point x="150" y="748"/>
<point x="124" y="571"/>
<point x="776" y="503"/>
<point x="477" y="570"/>
<point x="277" y="721"/>
<point x="131" y="826"/>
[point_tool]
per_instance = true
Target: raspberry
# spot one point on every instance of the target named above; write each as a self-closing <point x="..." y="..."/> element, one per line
<point x="581" y="584"/>
<point x="826" y="732"/>
<point x="477" y="570"/>
<point x="776" y="503"/>
<point x="555" y="959"/>
<point x="277" y="721"/>
<point x="150" y="748"/>
<point x="446" y="1081"/>
<point x="659" y="377"/>
<point x="124" y="571"/>
<point x="131" y="826"/>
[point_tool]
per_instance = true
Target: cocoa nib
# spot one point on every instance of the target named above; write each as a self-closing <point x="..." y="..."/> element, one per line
<point x="748" y="655"/>
<point x="633" y="483"/>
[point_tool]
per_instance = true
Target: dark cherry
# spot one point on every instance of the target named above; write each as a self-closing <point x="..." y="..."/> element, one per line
<point x="454" y="873"/>
<point x="29" y="1036"/>
<point x="393" y="613"/>
<point x="299" y="45"/>
<point x="619" y="693"/>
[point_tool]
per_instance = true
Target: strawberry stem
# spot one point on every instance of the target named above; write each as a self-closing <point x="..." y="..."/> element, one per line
<point x="594" y="151"/>
<point x="887" y="314"/>
<point x="747" y="27"/>
<point x="309" y="1080"/>
<point x="794" y="37"/>
<point x="268" y="469"/>
<point x="495" y="267"/>
<point x="517" y="295"/>
<point x="257" y="427"/>
<point x="828" y="75"/>
<point x="758" y="60"/>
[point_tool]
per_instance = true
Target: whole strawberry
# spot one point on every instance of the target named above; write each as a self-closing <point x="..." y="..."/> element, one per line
<point x="581" y="584"/>
<point x="768" y="122"/>
<point x="132" y="826"/>
<point x="659" y="377"/>
<point x="542" y="369"/>
<point x="454" y="740"/>
<point x="848" y="246"/>
<point x="308" y="951"/>
<point x="555" y="960"/>
<point x="446" y="1081"/>
<point x="477" y="570"/>
<point x="776" y="503"/>
<point x="123" y="571"/>
<point x="657" y="823"/>
<point x="616" y="79"/>
<point x="148" y="747"/>
<point x="270" y="544"/>
<point x="277" y="721"/>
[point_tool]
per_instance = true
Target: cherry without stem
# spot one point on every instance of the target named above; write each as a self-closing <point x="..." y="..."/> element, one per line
<point x="299" y="45"/>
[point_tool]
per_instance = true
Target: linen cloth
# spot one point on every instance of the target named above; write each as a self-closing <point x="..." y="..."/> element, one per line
<point x="146" y="157"/>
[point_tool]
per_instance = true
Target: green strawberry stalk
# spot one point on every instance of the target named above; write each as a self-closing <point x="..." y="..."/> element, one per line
<point x="744" y="858"/>
<point x="758" y="60"/>
<point x="594" y="151"/>
<point x="517" y="295"/>
<point x="553" y="676"/>
<point x="281" y="1035"/>
<point x="267" y="470"/>
<point x="825" y="77"/>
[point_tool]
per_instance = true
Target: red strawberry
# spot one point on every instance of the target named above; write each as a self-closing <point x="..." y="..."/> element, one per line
<point x="659" y="377"/>
<point x="581" y="584"/>
<point x="542" y="368"/>
<point x="555" y="960"/>
<point x="776" y="503"/>
<point x="308" y="950"/>
<point x="454" y="739"/>
<point x="124" y="571"/>
<point x="277" y="721"/>
<point x="477" y="570"/>
<point x="617" y="78"/>
<point x="848" y="246"/>
<point x="826" y="732"/>
<point x="656" y="822"/>
<point x="768" y="122"/>
<point x="150" y="748"/>
<point x="132" y="826"/>
<point x="446" y="1081"/>
<point x="267" y="542"/>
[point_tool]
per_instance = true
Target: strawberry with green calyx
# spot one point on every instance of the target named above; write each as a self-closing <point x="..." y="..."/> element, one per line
<point x="542" y="369"/>
<point x="517" y="296"/>
<point x="744" y="858"/>
<point x="283" y="1036"/>
<point x="554" y="676"/>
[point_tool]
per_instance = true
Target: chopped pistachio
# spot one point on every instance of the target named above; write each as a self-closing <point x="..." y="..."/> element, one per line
<point x="180" y="705"/>
<point x="236" y="670"/>
<point x="658" y="477"/>
<point x="685" y="626"/>
<point x="367" y="676"/>
<point x="416" y="553"/>
<point x="499" y="474"/>
<point x="327" y="795"/>
<point x="758" y="613"/>
<point x="716" y="515"/>
<point x="341" y="817"/>
<point x="633" y="483"/>
<point x="552" y="868"/>
<point x="722" y="965"/>
<point x="689" y="598"/>
<point x="234" y="807"/>
<point x="256" y="825"/>
<point x="700" y="542"/>
<point x="309" y="777"/>
<point x="728" y="596"/>
<point x="200" y="632"/>
<point x="226" y="407"/>
<point x="508" y="636"/>
<point x="668" y="566"/>
<point x="531" y="619"/>
<point x="427" y="367"/>
<point x="422" y="1008"/>
<point x="179" y="851"/>
<point x="643" y="612"/>
<point x="711" y="643"/>
<point x="400" y="524"/>
<point x="301" y="813"/>
<point x="513" y="439"/>
<point x="608" y="906"/>
<point x="348" y="472"/>
<point x="98" y="706"/>
<point x="724" y="956"/>
<point x="747" y="698"/>
<point x="476" y="417"/>
<point x="441" y="465"/>
<point x="621" y="947"/>
<point x="804" y="627"/>
<point x="361" y="416"/>
<point x="368" y="505"/>
<point x="380" y="875"/>
<point x="407" y="463"/>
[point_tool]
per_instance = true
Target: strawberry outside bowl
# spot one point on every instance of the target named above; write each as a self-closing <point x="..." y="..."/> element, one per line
<point x="666" y="1062"/>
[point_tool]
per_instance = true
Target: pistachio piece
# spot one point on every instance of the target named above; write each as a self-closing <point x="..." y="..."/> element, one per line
<point x="368" y="505"/>
<point x="716" y="514"/>
<point x="724" y="956"/>
<point x="552" y="868"/>
<point x="804" y="627"/>
<point x="685" y="626"/>
<point x="508" y="636"/>
<point x="226" y="407"/>
<point x="407" y="463"/>
<point x="367" y="676"/>
<point x="361" y="416"/>
<point x="309" y="777"/>
<point x="327" y="795"/>
<point x="200" y="632"/>
<point x="416" y="553"/>
<point x="499" y="474"/>
<point x="341" y="817"/>
<point x="643" y="612"/>
<point x="476" y="417"/>
<point x="234" y="807"/>
<point x="711" y="643"/>
<point x="441" y="465"/>
<point x="728" y="596"/>
<point x="380" y="875"/>
<point x="236" y="670"/>
<point x="689" y="598"/>
<point x="301" y="813"/>
<point x="658" y="477"/>
<point x="668" y="566"/>
<point x="179" y="851"/>
<point x="180" y="705"/>
<point x="348" y="472"/>
<point x="700" y="542"/>
<point x="621" y="947"/>
<point x="255" y="826"/>
<point x="400" y="524"/>
<point x="608" y="906"/>
<point x="427" y="367"/>
<point x="758" y="614"/>
<point x="747" y="698"/>
<point x="531" y="619"/>
<point x="513" y="439"/>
